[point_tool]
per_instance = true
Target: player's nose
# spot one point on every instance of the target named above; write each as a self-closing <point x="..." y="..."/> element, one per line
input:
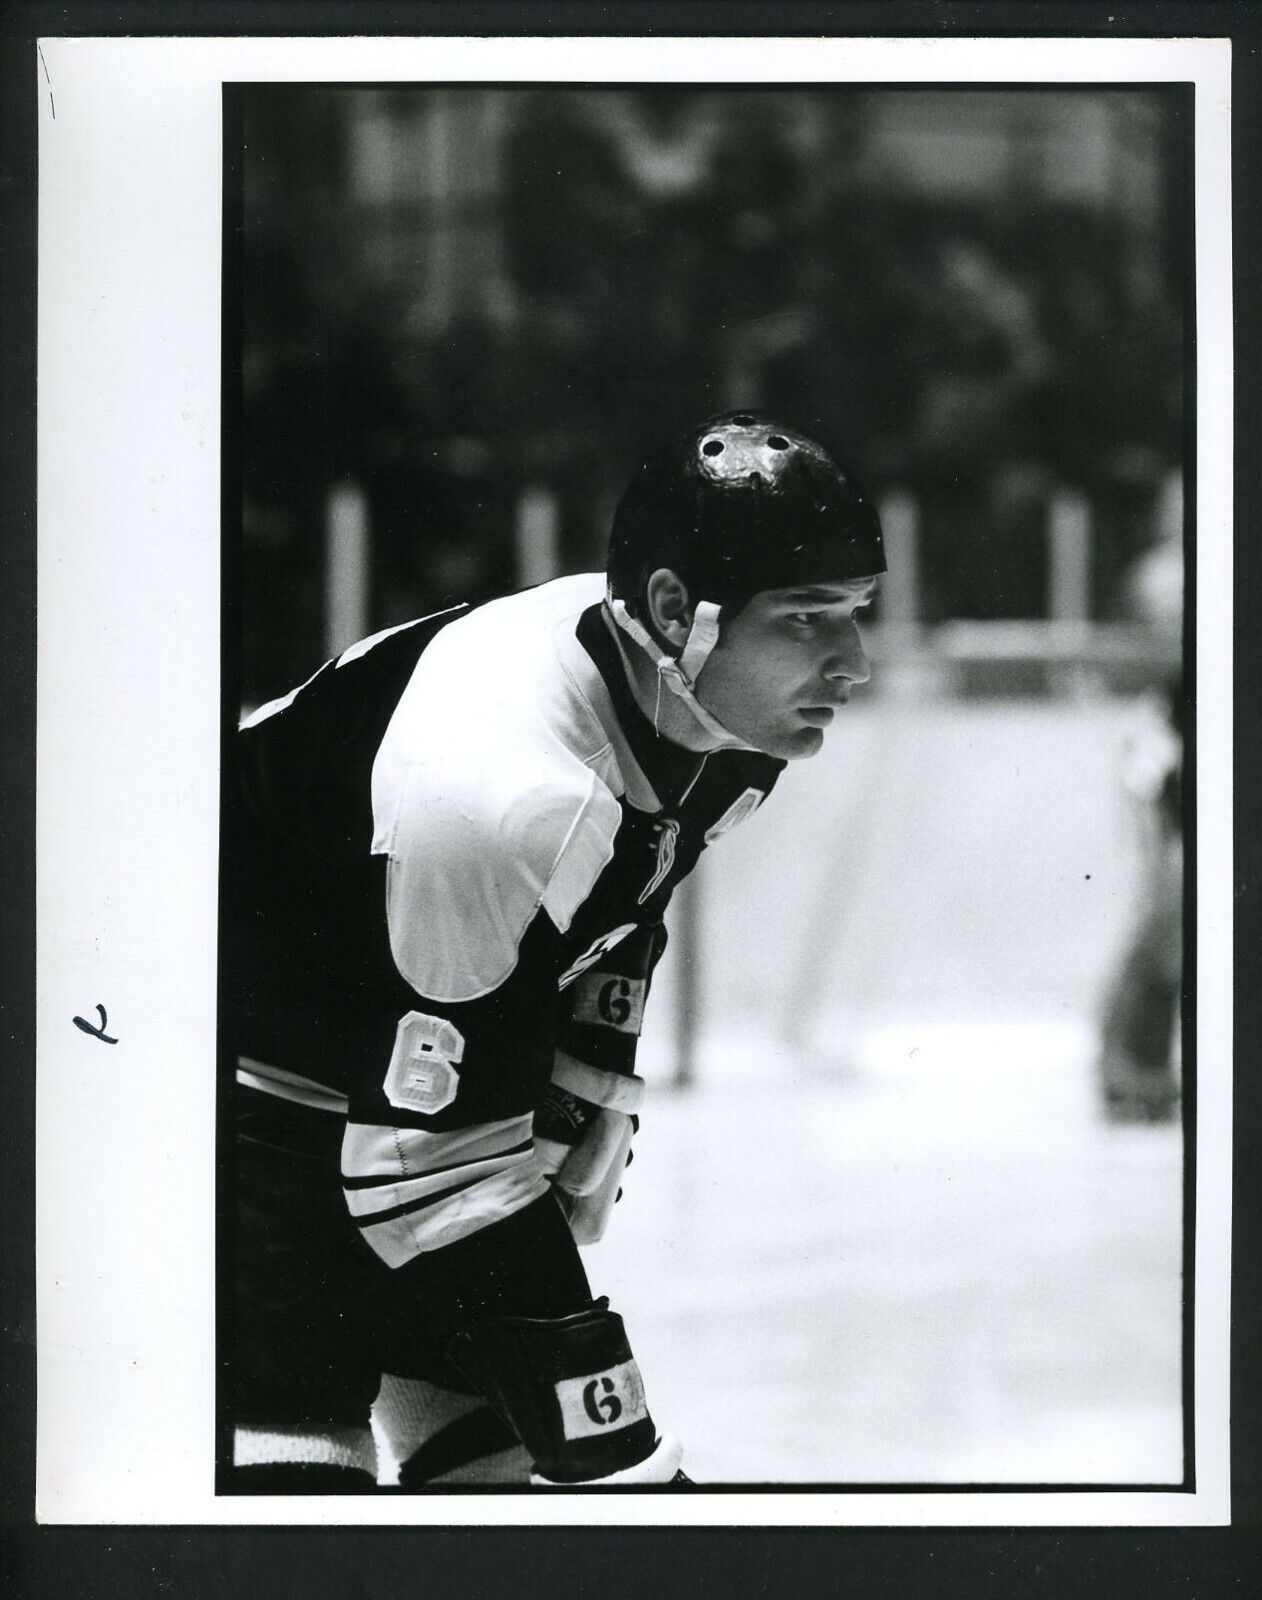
<point x="846" y="657"/>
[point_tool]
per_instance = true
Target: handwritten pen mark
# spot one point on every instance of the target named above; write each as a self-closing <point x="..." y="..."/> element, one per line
<point x="97" y="1033"/>
<point x="52" y="104"/>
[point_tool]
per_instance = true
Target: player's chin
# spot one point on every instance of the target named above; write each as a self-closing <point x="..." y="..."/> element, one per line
<point x="798" y="744"/>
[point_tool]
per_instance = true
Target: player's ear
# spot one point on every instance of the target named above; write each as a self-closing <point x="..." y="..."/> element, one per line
<point x="668" y="607"/>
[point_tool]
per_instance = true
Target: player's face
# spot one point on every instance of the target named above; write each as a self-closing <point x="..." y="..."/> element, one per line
<point x="786" y="663"/>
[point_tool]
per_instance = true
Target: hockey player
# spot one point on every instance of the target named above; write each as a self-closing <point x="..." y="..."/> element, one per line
<point x="449" y="866"/>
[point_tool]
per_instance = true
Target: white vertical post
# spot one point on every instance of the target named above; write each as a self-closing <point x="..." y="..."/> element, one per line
<point x="900" y="587"/>
<point x="346" y="564"/>
<point x="906" y="669"/>
<point x="1069" y="537"/>
<point x="1069" y="576"/>
<point x="685" y="935"/>
<point x="535" y="534"/>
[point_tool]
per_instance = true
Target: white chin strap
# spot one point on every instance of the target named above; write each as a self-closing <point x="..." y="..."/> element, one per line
<point x="681" y="675"/>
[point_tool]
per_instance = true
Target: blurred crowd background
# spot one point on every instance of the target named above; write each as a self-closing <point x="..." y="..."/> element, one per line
<point x="466" y="308"/>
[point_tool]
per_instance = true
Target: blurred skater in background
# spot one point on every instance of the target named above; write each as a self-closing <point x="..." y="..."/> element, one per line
<point x="1139" y="1045"/>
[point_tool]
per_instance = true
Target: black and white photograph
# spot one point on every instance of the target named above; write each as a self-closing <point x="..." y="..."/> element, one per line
<point x="682" y="990"/>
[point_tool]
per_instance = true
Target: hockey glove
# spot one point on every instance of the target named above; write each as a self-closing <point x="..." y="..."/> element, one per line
<point x="570" y="1389"/>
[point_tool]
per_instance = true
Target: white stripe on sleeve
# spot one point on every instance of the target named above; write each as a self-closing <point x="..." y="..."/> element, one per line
<point x="384" y="1196"/>
<point x="398" y="1240"/>
<point x="370" y="1150"/>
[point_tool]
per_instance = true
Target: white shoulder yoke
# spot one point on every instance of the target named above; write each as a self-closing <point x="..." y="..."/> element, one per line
<point x="493" y="794"/>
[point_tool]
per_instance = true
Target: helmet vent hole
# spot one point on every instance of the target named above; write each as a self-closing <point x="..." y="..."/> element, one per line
<point x="742" y="419"/>
<point x="776" y="442"/>
<point x="712" y="447"/>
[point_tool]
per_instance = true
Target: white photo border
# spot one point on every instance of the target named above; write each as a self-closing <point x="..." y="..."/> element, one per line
<point x="130" y="295"/>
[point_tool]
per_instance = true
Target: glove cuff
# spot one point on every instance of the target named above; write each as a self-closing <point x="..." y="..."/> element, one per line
<point x="660" y="1467"/>
<point x="616" y="1091"/>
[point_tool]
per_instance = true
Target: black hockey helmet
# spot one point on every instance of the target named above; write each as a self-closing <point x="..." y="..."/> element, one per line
<point x="739" y="505"/>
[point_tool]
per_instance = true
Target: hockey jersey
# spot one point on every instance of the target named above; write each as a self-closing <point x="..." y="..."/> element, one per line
<point x="451" y="849"/>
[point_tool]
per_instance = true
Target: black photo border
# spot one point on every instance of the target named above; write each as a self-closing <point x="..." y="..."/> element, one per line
<point x="596" y="1561"/>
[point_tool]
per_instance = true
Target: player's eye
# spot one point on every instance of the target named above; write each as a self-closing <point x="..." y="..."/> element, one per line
<point x="804" y="619"/>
